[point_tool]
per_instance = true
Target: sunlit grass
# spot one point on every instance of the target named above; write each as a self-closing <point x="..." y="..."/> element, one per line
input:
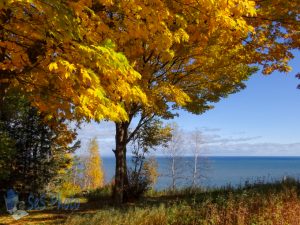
<point x="257" y="204"/>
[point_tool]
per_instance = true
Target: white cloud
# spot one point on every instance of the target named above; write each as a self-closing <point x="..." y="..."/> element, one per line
<point x="104" y="133"/>
<point x="254" y="149"/>
<point x="215" y="144"/>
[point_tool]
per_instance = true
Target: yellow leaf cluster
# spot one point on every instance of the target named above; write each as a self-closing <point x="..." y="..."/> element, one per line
<point x="100" y="59"/>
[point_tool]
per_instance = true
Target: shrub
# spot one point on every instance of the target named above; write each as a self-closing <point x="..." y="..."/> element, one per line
<point x="138" y="184"/>
<point x="98" y="193"/>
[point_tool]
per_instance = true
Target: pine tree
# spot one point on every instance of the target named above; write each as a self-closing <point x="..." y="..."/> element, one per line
<point x="94" y="173"/>
<point x="32" y="153"/>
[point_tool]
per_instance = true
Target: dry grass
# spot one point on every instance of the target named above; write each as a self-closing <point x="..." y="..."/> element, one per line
<point x="259" y="204"/>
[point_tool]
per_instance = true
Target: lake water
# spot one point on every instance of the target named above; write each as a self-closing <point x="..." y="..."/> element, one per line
<point x="221" y="171"/>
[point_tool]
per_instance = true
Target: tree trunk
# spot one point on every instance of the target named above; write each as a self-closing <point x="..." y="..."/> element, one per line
<point x="173" y="173"/>
<point x="121" y="179"/>
<point x="195" y="170"/>
<point x="3" y="89"/>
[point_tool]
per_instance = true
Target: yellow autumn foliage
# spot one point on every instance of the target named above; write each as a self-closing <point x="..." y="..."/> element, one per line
<point x="99" y="59"/>
<point x="93" y="173"/>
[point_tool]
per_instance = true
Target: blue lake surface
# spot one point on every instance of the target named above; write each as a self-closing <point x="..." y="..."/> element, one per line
<point x="221" y="171"/>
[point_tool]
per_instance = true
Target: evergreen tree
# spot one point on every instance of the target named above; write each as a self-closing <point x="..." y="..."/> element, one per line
<point x="38" y="152"/>
<point x="7" y="153"/>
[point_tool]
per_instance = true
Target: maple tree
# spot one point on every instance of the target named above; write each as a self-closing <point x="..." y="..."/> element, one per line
<point x="175" y="54"/>
<point x="66" y="70"/>
<point x="191" y="53"/>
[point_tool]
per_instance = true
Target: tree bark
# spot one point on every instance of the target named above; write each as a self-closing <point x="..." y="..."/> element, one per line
<point x="121" y="179"/>
<point x="195" y="170"/>
<point x="173" y="173"/>
<point x="3" y="89"/>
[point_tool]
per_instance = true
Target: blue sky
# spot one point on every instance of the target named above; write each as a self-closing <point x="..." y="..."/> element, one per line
<point x="262" y="120"/>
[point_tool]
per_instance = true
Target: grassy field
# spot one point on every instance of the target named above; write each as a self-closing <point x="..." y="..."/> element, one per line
<point x="264" y="204"/>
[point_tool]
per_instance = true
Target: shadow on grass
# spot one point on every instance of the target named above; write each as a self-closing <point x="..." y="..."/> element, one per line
<point x="190" y="197"/>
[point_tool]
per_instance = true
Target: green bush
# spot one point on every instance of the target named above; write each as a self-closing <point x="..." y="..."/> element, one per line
<point x="99" y="193"/>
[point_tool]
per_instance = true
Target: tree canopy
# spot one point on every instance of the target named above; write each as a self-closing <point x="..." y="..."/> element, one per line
<point x="92" y="58"/>
<point x="51" y="50"/>
<point x="117" y="59"/>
